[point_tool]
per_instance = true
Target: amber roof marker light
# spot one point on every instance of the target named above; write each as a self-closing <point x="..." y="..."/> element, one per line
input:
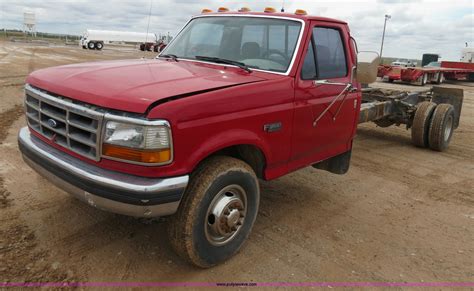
<point x="205" y="10"/>
<point x="244" y="9"/>
<point x="269" y="10"/>
<point x="300" y="12"/>
<point x="223" y="9"/>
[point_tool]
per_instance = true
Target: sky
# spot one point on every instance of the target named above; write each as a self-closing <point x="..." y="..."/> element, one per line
<point x="416" y="26"/>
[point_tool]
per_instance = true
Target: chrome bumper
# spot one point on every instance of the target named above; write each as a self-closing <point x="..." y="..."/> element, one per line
<point x="107" y="190"/>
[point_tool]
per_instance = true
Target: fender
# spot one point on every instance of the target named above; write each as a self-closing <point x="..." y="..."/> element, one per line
<point x="227" y="139"/>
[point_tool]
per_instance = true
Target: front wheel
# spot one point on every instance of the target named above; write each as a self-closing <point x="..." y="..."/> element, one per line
<point x="91" y="45"/>
<point x="217" y="212"/>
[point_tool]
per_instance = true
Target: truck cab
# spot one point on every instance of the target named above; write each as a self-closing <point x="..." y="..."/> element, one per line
<point x="234" y="98"/>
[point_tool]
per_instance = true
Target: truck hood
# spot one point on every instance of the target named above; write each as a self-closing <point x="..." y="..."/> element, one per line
<point x="134" y="85"/>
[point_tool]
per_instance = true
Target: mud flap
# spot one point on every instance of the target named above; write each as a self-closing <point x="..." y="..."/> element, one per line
<point x="336" y="165"/>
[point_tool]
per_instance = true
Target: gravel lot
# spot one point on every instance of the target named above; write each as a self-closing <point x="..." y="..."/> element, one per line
<point x="401" y="214"/>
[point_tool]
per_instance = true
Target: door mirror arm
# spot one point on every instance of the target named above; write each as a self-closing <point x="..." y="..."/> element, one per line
<point x="348" y="88"/>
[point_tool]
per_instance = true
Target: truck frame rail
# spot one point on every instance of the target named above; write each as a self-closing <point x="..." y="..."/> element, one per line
<point x="390" y="107"/>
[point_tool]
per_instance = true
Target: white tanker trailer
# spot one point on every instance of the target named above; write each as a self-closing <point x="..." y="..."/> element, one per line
<point x="95" y="39"/>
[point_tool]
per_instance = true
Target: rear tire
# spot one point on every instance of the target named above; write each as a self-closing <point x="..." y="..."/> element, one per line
<point x="91" y="45"/>
<point x="421" y="124"/>
<point x="441" y="127"/>
<point x="217" y="212"/>
<point x="440" y="79"/>
<point x="99" y="46"/>
<point x="424" y="79"/>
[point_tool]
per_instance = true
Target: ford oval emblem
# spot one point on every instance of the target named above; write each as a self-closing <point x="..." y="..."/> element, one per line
<point x="52" y="123"/>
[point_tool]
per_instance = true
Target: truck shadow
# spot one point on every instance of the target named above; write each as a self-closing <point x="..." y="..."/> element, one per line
<point x="138" y="245"/>
<point x="382" y="136"/>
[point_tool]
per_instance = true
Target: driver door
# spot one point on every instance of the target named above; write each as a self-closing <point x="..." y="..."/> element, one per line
<point x="327" y="57"/>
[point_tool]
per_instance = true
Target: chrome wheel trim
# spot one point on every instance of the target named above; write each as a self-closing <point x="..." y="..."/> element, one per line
<point x="226" y="215"/>
<point x="448" y="128"/>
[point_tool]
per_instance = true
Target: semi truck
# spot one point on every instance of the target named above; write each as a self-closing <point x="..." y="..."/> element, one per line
<point x="462" y="70"/>
<point x="246" y="96"/>
<point x="96" y="39"/>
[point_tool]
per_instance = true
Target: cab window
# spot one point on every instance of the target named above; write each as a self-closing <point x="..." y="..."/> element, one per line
<point x="325" y="57"/>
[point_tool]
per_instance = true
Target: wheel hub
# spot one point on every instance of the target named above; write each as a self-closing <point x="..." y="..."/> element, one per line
<point x="448" y="128"/>
<point x="226" y="215"/>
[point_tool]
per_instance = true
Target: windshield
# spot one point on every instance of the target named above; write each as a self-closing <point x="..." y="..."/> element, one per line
<point x="260" y="43"/>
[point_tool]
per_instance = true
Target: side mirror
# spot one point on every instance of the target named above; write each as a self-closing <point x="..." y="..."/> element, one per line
<point x="367" y="65"/>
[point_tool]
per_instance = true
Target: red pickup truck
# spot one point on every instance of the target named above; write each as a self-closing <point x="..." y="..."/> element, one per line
<point x="235" y="97"/>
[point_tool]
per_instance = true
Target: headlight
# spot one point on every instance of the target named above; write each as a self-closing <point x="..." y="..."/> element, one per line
<point x="142" y="143"/>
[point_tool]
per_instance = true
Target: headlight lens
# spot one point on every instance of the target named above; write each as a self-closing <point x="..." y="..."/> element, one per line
<point x="136" y="142"/>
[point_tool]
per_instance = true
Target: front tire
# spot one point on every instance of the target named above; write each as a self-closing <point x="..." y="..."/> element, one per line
<point x="217" y="212"/>
<point x="91" y="45"/>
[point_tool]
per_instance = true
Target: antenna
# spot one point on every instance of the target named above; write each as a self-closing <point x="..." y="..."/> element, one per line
<point x="147" y="27"/>
<point x="283" y="6"/>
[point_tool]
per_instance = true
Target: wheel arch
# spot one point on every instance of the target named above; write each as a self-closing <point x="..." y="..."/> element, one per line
<point x="251" y="153"/>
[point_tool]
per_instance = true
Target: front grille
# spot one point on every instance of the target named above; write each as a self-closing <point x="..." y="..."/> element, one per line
<point x="69" y="125"/>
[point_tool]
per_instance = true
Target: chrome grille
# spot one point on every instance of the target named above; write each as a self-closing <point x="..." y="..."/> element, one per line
<point x="69" y="125"/>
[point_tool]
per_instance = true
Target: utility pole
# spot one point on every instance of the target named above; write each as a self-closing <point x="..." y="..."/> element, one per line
<point x="387" y="17"/>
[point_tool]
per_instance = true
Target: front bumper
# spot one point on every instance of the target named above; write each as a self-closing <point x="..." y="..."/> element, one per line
<point x="104" y="189"/>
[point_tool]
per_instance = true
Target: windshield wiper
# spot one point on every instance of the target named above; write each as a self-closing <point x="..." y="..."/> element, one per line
<point x="169" y="56"/>
<point x="224" y="61"/>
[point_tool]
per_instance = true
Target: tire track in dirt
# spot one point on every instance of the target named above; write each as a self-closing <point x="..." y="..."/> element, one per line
<point x="31" y="61"/>
<point x="6" y="120"/>
<point x="8" y="53"/>
<point x="22" y="259"/>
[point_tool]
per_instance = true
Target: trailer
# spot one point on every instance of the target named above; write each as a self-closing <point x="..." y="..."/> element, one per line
<point x="455" y="71"/>
<point x="432" y="115"/>
<point x="96" y="39"/>
<point x="446" y="70"/>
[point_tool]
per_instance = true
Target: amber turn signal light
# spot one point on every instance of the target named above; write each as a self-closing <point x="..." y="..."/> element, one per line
<point x="141" y="156"/>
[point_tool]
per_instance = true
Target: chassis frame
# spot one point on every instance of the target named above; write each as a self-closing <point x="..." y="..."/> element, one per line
<point x="388" y="107"/>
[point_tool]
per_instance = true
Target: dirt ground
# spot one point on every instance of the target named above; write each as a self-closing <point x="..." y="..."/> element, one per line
<point x="401" y="214"/>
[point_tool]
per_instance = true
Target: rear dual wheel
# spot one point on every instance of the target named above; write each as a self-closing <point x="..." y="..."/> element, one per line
<point x="441" y="127"/>
<point x="433" y="125"/>
<point x="424" y="79"/>
<point x="421" y="124"/>
<point x="440" y="78"/>
<point x="217" y="212"/>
